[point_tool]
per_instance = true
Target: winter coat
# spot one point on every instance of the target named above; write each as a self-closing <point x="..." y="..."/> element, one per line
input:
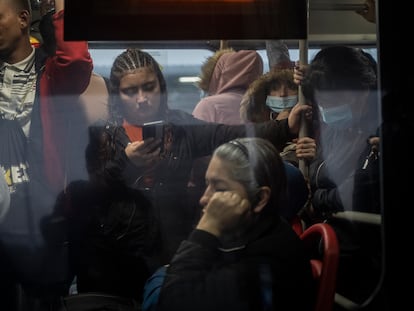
<point x="271" y="271"/>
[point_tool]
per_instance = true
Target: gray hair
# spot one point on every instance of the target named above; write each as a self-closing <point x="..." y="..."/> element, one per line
<point x="255" y="162"/>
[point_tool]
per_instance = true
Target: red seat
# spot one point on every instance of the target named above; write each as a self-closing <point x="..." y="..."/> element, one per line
<point x="321" y="241"/>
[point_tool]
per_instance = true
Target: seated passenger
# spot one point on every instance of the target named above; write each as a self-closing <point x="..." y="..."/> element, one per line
<point x="108" y="227"/>
<point x="241" y="255"/>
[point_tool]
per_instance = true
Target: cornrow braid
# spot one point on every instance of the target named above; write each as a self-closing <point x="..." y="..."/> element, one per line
<point x="127" y="62"/>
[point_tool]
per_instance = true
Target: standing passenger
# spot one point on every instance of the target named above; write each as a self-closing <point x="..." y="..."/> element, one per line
<point x="77" y="112"/>
<point x="94" y="100"/>
<point x="225" y="77"/>
<point x="33" y="147"/>
<point x="340" y="82"/>
<point x="343" y="92"/>
<point x="272" y="97"/>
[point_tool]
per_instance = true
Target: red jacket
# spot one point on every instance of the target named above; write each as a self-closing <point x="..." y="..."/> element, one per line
<point x="66" y="73"/>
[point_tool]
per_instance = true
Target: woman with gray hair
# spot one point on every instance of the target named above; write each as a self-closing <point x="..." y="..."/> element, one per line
<point x="241" y="255"/>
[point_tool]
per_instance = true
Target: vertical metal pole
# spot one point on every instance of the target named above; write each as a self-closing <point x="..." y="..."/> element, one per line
<point x="303" y="60"/>
<point x="304" y="125"/>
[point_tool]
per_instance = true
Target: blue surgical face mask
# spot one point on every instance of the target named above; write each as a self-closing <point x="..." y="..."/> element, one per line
<point x="278" y="104"/>
<point x="339" y="116"/>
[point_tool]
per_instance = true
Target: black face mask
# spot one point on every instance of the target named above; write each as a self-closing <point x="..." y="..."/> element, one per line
<point x="47" y="31"/>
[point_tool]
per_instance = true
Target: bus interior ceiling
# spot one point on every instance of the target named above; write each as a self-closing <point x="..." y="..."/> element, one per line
<point x="330" y="22"/>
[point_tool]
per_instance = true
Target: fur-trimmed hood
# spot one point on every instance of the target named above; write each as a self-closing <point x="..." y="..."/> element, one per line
<point x="253" y="105"/>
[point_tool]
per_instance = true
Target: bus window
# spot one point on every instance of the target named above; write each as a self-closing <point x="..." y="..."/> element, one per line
<point x="181" y="56"/>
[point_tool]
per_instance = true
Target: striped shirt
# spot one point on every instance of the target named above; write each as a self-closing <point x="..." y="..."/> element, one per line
<point x="17" y="91"/>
